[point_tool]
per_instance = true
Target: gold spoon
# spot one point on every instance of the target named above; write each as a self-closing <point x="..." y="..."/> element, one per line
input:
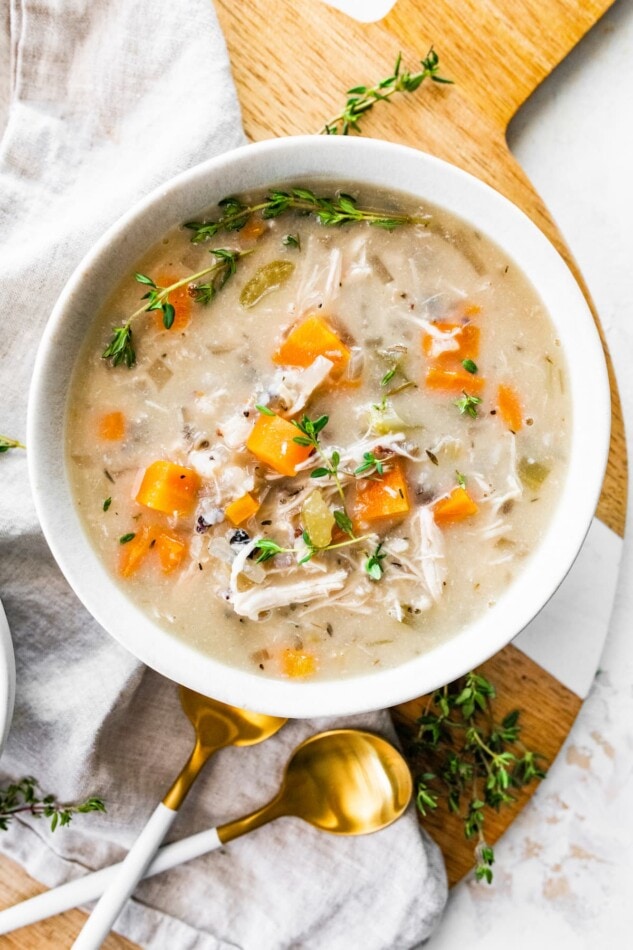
<point x="216" y="726"/>
<point x="346" y="782"/>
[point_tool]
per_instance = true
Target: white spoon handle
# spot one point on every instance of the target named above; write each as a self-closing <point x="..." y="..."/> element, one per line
<point x="92" y="886"/>
<point x="130" y="872"/>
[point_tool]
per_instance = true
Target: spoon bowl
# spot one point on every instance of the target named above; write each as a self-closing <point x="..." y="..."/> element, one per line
<point x="218" y="725"/>
<point x="345" y="781"/>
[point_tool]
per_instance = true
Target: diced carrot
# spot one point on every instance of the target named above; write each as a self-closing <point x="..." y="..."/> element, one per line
<point x="180" y="301"/>
<point x="452" y="381"/>
<point x="455" y="507"/>
<point x="311" y="338"/>
<point x="297" y="663"/>
<point x="509" y="407"/>
<point x="171" y="549"/>
<point x="168" y="487"/>
<point x="382" y="497"/>
<point x="253" y="229"/>
<point x="241" y="509"/>
<point x="112" y="427"/>
<point x="465" y="335"/>
<point x="472" y="310"/>
<point x="271" y="440"/>
<point x="134" y="552"/>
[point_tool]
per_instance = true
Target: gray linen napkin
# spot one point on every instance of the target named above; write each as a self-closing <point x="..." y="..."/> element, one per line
<point x="99" y="103"/>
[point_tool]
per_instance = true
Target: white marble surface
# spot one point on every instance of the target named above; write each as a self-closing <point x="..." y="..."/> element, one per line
<point x="564" y="875"/>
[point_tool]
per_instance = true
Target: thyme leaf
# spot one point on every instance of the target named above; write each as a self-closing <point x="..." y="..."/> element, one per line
<point x="344" y="522"/>
<point x="370" y="464"/>
<point x="374" y="565"/>
<point x="265" y="411"/>
<point x="292" y="240"/>
<point x="363" y="98"/>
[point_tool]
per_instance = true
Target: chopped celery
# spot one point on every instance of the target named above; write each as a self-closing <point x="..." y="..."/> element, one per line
<point x="269" y="277"/>
<point x="317" y="519"/>
<point x="532" y="473"/>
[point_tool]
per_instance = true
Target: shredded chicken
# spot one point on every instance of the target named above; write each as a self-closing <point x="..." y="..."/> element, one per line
<point x="257" y="600"/>
<point x="320" y="286"/>
<point x="293" y="387"/>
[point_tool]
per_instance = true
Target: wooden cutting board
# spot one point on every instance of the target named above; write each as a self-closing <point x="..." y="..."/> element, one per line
<point x="292" y="61"/>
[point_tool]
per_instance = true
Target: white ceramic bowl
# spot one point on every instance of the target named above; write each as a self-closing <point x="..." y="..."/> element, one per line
<point x="256" y="167"/>
<point x="7" y="678"/>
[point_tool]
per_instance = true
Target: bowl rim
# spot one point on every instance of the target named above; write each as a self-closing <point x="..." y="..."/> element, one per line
<point x="370" y="162"/>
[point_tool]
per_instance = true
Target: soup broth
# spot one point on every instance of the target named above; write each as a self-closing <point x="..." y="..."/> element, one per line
<point x="331" y="459"/>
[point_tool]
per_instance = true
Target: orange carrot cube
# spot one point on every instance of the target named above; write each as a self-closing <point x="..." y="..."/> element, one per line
<point x="297" y="663"/>
<point x="112" y="427"/>
<point x="465" y="335"/>
<point x="171" y="550"/>
<point x="454" y="507"/>
<point x="241" y="509"/>
<point x="509" y="407"/>
<point x="311" y="338"/>
<point x="386" y="496"/>
<point x="134" y="552"/>
<point x="454" y="381"/>
<point x="170" y="488"/>
<point x="180" y="301"/>
<point x="253" y="229"/>
<point x="271" y="440"/>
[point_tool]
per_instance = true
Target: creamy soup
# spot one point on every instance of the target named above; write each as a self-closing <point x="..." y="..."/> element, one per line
<point x="327" y="448"/>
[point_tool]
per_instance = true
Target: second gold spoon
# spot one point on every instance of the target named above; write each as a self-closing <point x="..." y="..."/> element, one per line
<point x="216" y="726"/>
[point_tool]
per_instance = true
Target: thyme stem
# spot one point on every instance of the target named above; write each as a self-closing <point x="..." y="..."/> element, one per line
<point x="6" y="444"/>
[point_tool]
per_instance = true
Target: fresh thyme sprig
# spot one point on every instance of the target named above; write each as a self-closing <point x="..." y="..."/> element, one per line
<point x="467" y="405"/>
<point x="471" y="760"/>
<point x="22" y="797"/>
<point x="363" y="98"/>
<point x="269" y="549"/>
<point x="310" y="430"/>
<point x="120" y="349"/>
<point x="329" y="211"/>
<point x="6" y="444"/>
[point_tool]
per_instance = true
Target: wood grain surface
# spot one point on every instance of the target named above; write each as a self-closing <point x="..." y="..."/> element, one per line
<point x="292" y="61"/>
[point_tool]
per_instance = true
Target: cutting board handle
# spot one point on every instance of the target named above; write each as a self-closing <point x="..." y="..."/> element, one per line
<point x="499" y="50"/>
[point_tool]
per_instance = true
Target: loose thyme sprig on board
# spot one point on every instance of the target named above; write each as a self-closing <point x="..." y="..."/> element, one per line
<point x="330" y="211"/>
<point x="363" y="98"/>
<point x="120" y="349"/>
<point x="22" y="798"/>
<point x="470" y="759"/>
<point x="6" y="444"/>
